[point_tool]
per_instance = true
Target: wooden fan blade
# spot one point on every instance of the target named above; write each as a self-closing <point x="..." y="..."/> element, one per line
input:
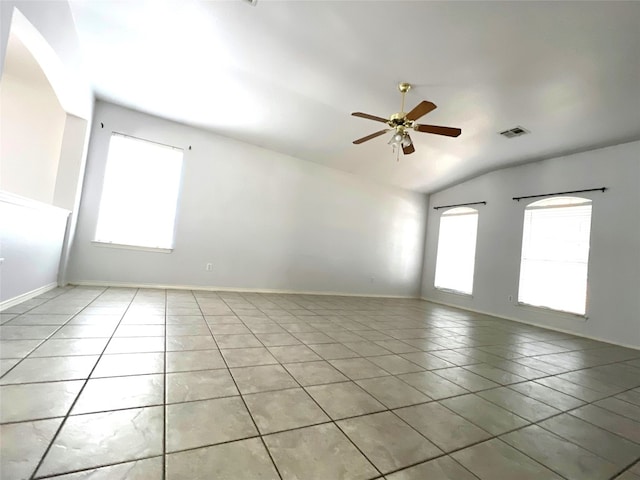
<point x="446" y="131"/>
<point x="369" y="137"/>
<point x="421" y="109"/>
<point x="369" y="117"/>
<point x="408" y="149"/>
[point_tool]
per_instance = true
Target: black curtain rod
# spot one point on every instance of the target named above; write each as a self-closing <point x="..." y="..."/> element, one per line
<point x="459" y="205"/>
<point x="601" y="189"/>
<point x="145" y="140"/>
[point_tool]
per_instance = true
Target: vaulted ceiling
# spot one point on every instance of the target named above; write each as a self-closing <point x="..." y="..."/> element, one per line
<point x="286" y="75"/>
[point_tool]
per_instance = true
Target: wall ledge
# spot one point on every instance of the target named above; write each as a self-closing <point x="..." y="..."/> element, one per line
<point x="12" y="198"/>
<point x="545" y="327"/>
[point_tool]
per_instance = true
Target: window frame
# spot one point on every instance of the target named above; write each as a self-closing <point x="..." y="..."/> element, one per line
<point x="447" y="212"/>
<point x="125" y="246"/>
<point x="541" y="308"/>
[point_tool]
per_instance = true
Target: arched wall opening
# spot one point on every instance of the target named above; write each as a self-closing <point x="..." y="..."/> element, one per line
<point x="44" y="119"/>
<point x="32" y="123"/>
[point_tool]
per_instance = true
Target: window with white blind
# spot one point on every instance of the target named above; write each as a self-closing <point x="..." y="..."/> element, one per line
<point x="555" y="254"/>
<point x="455" y="260"/>
<point x="140" y="193"/>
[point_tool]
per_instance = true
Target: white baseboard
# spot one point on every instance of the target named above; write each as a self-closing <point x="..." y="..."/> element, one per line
<point x="561" y="330"/>
<point x="26" y="296"/>
<point x="233" y="289"/>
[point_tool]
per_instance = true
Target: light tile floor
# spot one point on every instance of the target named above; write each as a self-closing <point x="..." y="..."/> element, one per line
<point x="153" y="384"/>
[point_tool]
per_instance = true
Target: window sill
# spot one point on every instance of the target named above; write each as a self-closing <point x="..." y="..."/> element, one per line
<point x="131" y="247"/>
<point x="554" y="312"/>
<point x="454" y="292"/>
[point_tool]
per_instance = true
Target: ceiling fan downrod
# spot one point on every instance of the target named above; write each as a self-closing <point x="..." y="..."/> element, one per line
<point x="404" y="88"/>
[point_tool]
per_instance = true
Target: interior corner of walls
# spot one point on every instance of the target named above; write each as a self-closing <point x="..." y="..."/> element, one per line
<point x="423" y="256"/>
<point x="70" y="165"/>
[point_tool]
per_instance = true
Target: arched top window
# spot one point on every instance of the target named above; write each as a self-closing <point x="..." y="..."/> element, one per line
<point x="460" y="211"/>
<point x="555" y="254"/>
<point x="560" y="202"/>
<point x="455" y="260"/>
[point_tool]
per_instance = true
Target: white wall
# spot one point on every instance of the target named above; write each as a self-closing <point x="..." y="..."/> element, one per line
<point x="70" y="162"/>
<point x="31" y="235"/>
<point x="613" y="308"/>
<point x="265" y="220"/>
<point x="32" y="123"/>
<point x="35" y="253"/>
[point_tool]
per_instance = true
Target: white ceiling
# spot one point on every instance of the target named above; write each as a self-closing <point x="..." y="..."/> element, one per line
<point x="286" y="75"/>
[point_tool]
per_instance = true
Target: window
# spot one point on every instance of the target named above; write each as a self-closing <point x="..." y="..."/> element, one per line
<point x="457" y="250"/>
<point x="555" y="254"/>
<point x="140" y="193"/>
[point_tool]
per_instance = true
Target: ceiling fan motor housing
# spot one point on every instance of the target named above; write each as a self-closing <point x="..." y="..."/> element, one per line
<point x="399" y="120"/>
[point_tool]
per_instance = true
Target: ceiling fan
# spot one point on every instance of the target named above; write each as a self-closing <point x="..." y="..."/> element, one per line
<point x="401" y="122"/>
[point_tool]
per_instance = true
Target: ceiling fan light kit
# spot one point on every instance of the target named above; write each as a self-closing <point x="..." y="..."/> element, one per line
<point x="401" y="122"/>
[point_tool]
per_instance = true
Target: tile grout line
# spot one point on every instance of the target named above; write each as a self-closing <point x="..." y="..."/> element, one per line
<point x="435" y="371"/>
<point x="331" y="420"/>
<point x="255" y="425"/>
<point x="49" y="337"/>
<point x="626" y="469"/>
<point x="637" y="459"/>
<point x="304" y="387"/>
<point x="88" y="469"/>
<point x="348" y="380"/>
<point x="531" y="458"/>
<point x="411" y="426"/>
<point x="459" y="366"/>
<point x="86" y="381"/>
<point x="497" y="436"/>
<point x="164" y="389"/>
<point x="528" y="424"/>
<point x="536" y="423"/>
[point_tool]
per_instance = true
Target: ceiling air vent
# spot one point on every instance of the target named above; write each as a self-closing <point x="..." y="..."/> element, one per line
<point x="514" y="132"/>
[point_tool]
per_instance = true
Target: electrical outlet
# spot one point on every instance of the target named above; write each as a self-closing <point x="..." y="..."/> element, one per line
<point x="511" y="298"/>
<point x="209" y="267"/>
